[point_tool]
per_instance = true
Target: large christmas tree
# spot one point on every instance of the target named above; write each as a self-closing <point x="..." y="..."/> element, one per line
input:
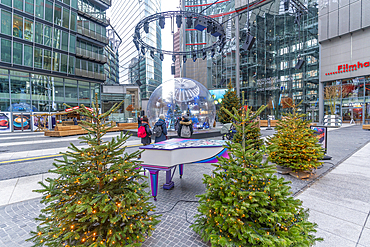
<point x="229" y="101"/>
<point x="295" y="145"/>
<point x="245" y="204"/>
<point x="98" y="198"/>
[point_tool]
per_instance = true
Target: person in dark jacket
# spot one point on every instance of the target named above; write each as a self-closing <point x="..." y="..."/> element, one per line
<point x="147" y="139"/>
<point x="163" y="125"/>
<point x="187" y="122"/>
<point x="138" y="122"/>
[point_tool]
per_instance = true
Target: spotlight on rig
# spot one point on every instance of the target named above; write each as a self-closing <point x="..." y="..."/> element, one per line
<point x="146" y="27"/>
<point x="143" y="50"/>
<point x="213" y="52"/>
<point x="173" y="58"/>
<point x="162" y="21"/>
<point x="173" y="69"/>
<point x="178" y="20"/>
<point x="286" y="5"/>
<point x="200" y="23"/>
<point x="204" y="54"/>
<point x="217" y="31"/>
<point x="152" y="53"/>
<point x="161" y="56"/>
<point x="184" y="58"/>
<point x="249" y="41"/>
<point x="194" y="57"/>
<point x="189" y="22"/>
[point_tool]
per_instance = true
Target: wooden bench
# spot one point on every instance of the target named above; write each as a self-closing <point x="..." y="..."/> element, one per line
<point x="72" y="130"/>
<point x="123" y="126"/>
<point x="366" y="126"/>
<point x="264" y="123"/>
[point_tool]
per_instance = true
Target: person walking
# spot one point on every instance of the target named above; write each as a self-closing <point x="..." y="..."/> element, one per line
<point x="160" y="129"/>
<point x="138" y="122"/>
<point x="185" y="129"/>
<point x="144" y="132"/>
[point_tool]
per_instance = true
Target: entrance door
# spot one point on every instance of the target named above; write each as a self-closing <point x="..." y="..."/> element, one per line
<point x="349" y="113"/>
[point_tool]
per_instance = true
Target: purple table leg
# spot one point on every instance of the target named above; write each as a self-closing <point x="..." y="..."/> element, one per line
<point x="169" y="183"/>
<point x="154" y="182"/>
<point x="181" y="170"/>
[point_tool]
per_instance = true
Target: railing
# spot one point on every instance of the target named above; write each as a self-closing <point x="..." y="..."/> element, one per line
<point x="91" y="34"/>
<point x="90" y="74"/>
<point x="104" y="20"/>
<point x="90" y="55"/>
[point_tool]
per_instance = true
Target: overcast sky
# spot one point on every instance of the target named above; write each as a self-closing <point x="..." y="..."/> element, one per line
<point x="167" y="38"/>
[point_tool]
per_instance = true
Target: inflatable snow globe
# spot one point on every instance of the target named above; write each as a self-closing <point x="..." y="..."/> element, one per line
<point x="182" y="96"/>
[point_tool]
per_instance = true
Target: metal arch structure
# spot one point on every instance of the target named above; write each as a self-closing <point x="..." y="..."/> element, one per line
<point x="172" y="14"/>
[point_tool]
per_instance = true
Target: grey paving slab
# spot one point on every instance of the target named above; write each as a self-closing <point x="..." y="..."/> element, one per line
<point x="365" y="237"/>
<point x="334" y="240"/>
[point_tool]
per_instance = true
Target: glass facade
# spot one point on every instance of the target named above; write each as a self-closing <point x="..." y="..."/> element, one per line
<point x="40" y="64"/>
<point x="267" y="70"/>
<point x="43" y="93"/>
<point x="353" y="101"/>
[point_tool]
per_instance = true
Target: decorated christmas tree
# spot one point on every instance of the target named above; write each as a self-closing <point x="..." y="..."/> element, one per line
<point x="252" y="131"/>
<point x="98" y="198"/>
<point x="245" y="204"/>
<point x="229" y="101"/>
<point x="295" y="145"/>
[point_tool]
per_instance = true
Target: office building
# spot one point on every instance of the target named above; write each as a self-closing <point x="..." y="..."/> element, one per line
<point x="144" y="70"/>
<point x="52" y="52"/>
<point x="268" y="72"/>
<point x="344" y="31"/>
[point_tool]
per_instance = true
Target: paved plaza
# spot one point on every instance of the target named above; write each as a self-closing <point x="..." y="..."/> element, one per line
<point x="337" y="196"/>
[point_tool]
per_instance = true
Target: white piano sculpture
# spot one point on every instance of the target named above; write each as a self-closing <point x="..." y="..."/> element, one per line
<point x="163" y="156"/>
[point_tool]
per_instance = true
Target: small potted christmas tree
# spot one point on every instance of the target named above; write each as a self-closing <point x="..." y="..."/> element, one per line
<point x="295" y="145"/>
<point x="98" y="198"/>
<point x="245" y="204"/>
<point x="229" y="100"/>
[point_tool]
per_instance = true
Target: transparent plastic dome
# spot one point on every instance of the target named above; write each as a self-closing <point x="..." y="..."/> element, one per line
<point x="182" y="96"/>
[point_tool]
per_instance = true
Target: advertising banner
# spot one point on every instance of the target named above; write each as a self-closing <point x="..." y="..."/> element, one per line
<point x="38" y="122"/>
<point x="321" y="132"/>
<point x="5" y="122"/>
<point x="21" y="121"/>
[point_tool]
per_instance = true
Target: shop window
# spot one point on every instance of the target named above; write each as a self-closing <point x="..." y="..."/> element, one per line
<point x="57" y="38"/>
<point x="49" y="11"/>
<point x="66" y="18"/>
<point x="17" y="26"/>
<point x="20" y="88"/>
<point x="57" y="15"/>
<point x="47" y="35"/>
<point x="28" y="29"/>
<point x="47" y="60"/>
<point x="72" y="43"/>
<point x="56" y="61"/>
<point x="64" y="41"/>
<point x="29" y="6"/>
<point x="4" y="86"/>
<point x="71" y="65"/>
<point x="28" y="56"/>
<point x="40" y="85"/>
<point x="38" y="32"/>
<point x="18" y="4"/>
<point x="38" y="58"/>
<point x="63" y="63"/>
<point x="39" y="9"/>
<point x="7" y="2"/>
<point x="6" y="22"/>
<point x="17" y="53"/>
<point x="58" y="90"/>
<point x="84" y="92"/>
<point x="73" y="21"/>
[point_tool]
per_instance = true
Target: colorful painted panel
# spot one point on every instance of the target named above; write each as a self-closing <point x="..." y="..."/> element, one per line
<point x="21" y="120"/>
<point x="5" y="122"/>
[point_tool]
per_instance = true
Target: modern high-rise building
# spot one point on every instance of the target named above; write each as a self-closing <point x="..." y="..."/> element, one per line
<point x="52" y="52"/>
<point x="268" y="72"/>
<point x="134" y="67"/>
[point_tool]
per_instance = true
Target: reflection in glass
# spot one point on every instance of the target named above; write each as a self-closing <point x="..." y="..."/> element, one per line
<point x="6" y="22"/>
<point x="47" y="59"/>
<point x="38" y="58"/>
<point x="28" y="29"/>
<point x="49" y="10"/>
<point x="47" y="35"/>
<point x="38" y="32"/>
<point x="57" y="15"/>
<point x="40" y="8"/>
<point x="71" y="65"/>
<point x="18" y="4"/>
<point x="17" y="53"/>
<point x="56" y="59"/>
<point x="28" y="56"/>
<point x="63" y="63"/>
<point x="29" y="6"/>
<point x="57" y="38"/>
<point x="66" y="18"/>
<point x="17" y="26"/>
<point x="4" y="86"/>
